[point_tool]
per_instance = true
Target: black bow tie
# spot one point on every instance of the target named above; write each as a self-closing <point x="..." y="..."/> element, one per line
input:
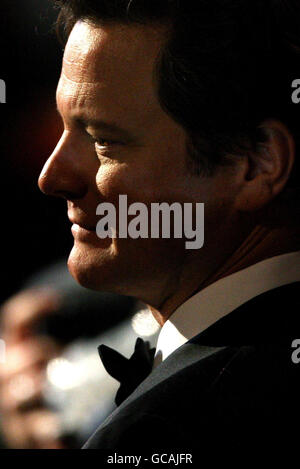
<point x="129" y="372"/>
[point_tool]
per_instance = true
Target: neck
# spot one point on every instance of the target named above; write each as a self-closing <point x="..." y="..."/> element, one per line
<point x="266" y="240"/>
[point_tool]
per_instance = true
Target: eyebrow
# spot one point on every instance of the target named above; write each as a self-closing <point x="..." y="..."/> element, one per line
<point x="100" y="124"/>
<point x="106" y="126"/>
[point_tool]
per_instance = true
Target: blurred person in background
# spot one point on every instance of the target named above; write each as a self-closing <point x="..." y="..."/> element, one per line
<point x="53" y="389"/>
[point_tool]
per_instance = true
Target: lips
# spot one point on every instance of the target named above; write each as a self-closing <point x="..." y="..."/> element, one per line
<point x="83" y="224"/>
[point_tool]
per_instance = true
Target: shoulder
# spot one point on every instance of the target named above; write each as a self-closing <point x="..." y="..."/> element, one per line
<point x="245" y="392"/>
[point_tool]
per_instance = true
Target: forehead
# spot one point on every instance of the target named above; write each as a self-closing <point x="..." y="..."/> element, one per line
<point x="114" y="63"/>
<point x="93" y="49"/>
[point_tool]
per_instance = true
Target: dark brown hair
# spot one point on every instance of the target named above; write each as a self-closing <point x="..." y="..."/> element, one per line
<point x="228" y="65"/>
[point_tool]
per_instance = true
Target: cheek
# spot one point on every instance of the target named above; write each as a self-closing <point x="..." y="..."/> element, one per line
<point x="138" y="183"/>
<point x="111" y="181"/>
<point x="142" y="180"/>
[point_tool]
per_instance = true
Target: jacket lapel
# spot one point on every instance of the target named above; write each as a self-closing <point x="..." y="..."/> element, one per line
<point x="272" y="317"/>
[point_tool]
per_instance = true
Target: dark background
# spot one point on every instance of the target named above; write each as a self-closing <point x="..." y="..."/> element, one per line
<point x="34" y="229"/>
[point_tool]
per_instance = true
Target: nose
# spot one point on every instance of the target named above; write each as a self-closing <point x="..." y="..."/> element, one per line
<point x="63" y="173"/>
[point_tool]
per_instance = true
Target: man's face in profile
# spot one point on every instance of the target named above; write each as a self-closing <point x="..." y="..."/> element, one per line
<point x="118" y="140"/>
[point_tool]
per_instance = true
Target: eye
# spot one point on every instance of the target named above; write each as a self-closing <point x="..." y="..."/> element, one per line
<point x="103" y="142"/>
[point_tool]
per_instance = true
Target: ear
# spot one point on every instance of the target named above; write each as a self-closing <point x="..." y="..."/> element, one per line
<point x="268" y="168"/>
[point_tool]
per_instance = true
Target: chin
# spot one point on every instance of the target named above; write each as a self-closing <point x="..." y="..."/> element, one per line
<point x="95" y="270"/>
<point x="127" y="268"/>
<point x="81" y="273"/>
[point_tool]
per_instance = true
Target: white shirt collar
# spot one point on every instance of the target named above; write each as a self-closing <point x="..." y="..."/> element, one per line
<point x="222" y="297"/>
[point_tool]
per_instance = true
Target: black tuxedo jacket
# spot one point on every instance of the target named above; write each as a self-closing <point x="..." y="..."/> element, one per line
<point x="233" y="387"/>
